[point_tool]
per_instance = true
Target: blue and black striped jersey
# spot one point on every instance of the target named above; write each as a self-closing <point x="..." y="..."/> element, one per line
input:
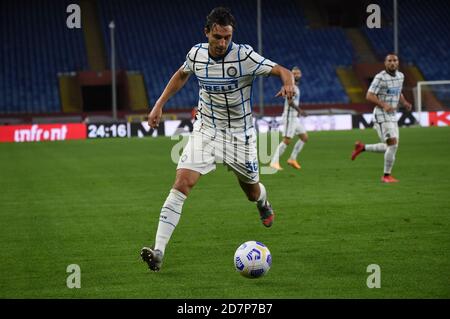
<point x="226" y="84"/>
<point x="388" y="89"/>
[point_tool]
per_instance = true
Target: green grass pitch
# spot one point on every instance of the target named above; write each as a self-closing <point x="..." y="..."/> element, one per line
<point x="95" y="203"/>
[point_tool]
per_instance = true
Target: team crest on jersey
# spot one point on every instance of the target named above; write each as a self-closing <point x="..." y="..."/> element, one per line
<point x="232" y="71"/>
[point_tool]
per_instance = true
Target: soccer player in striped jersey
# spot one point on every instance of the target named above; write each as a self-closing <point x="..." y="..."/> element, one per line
<point x="385" y="92"/>
<point x="223" y="130"/>
<point x="291" y="127"/>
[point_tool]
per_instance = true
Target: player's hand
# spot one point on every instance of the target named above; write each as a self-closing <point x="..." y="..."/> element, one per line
<point x="287" y="91"/>
<point x="154" y="116"/>
<point x="388" y="108"/>
<point x="408" y="106"/>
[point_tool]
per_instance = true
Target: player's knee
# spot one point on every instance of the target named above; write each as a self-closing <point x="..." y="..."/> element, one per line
<point x="391" y="141"/>
<point x="184" y="185"/>
<point x="304" y="138"/>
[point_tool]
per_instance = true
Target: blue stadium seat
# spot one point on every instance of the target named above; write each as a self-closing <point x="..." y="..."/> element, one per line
<point x="421" y="35"/>
<point x="155" y="38"/>
<point x="36" y="45"/>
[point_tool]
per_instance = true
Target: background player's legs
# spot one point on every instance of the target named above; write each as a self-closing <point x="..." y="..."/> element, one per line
<point x="303" y="138"/>
<point x="275" y="162"/>
<point x="389" y="155"/>
<point x="171" y="210"/>
<point x="361" y="147"/>
<point x="377" y="148"/>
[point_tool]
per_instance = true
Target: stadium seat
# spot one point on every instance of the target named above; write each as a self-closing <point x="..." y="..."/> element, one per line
<point x="34" y="49"/>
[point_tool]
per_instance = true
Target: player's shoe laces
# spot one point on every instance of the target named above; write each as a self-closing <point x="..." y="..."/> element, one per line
<point x="276" y="166"/>
<point x="389" y="179"/>
<point x="153" y="258"/>
<point x="359" y="147"/>
<point x="266" y="213"/>
<point x="294" y="163"/>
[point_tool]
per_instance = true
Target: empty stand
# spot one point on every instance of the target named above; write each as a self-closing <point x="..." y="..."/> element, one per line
<point x="36" y="45"/>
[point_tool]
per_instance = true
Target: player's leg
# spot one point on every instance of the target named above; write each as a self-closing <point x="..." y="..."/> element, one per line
<point x="171" y="211"/>
<point x="376" y="148"/>
<point x="275" y="162"/>
<point x="244" y="164"/>
<point x="195" y="161"/>
<point x="303" y="138"/>
<point x="169" y="217"/>
<point x="257" y="193"/>
<point x="391" y="136"/>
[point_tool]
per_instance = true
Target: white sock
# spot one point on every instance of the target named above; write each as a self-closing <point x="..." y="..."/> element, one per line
<point x="389" y="158"/>
<point x="263" y="195"/>
<point x="279" y="151"/>
<point x="378" y="148"/>
<point x="297" y="149"/>
<point x="169" y="217"/>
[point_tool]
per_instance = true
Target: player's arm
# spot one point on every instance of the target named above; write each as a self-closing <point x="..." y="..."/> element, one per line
<point x="298" y="109"/>
<point x="177" y="81"/>
<point x="405" y="102"/>
<point x="287" y="78"/>
<point x="371" y="97"/>
<point x="295" y="107"/>
<point x="292" y="104"/>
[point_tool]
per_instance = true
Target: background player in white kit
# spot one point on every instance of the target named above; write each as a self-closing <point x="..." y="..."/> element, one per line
<point x="291" y="127"/>
<point x="385" y="92"/>
<point x="223" y="131"/>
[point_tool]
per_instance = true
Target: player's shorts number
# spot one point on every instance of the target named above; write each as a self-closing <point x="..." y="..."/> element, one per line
<point x="252" y="167"/>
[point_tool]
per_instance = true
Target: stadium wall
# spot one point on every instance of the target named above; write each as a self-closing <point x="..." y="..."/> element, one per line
<point x="69" y="131"/>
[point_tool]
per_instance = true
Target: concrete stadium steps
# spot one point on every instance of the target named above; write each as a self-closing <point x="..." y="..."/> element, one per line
<point x="69" y="91"/>
<point x="351" y="84"/>
<point x="95" y="48"/>
<point x="137" y="92"/>
<point x="361" y="45"/>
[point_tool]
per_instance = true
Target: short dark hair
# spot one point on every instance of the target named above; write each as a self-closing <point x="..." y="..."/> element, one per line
<point x="221" y="16"/>
<point x="391" y="53"/>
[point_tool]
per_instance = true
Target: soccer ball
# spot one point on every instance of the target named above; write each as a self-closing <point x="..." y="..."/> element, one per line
<point x="252" y="259"/>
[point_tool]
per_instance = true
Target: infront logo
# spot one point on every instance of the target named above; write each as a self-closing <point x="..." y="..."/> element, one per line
<point x="42" y="132"/>
<point x="36" y="134"/>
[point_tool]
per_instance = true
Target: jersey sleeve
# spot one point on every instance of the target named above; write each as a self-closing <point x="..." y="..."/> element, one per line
<point x="256" y="64"/>
<point x="375" y="86"/>
<point x="188" y="65"/>
<point x="297" y="97"/>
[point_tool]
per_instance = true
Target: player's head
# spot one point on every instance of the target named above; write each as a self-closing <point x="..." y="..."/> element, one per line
<point x="297" y="73"/>
<point x="391" y="62"/>
<point x="219" y="28"/>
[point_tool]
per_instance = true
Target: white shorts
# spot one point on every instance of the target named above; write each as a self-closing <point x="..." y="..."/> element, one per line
<point x="292" y="127"/>
<point x="206" y="147"/>
<point x="387" y="130"/>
